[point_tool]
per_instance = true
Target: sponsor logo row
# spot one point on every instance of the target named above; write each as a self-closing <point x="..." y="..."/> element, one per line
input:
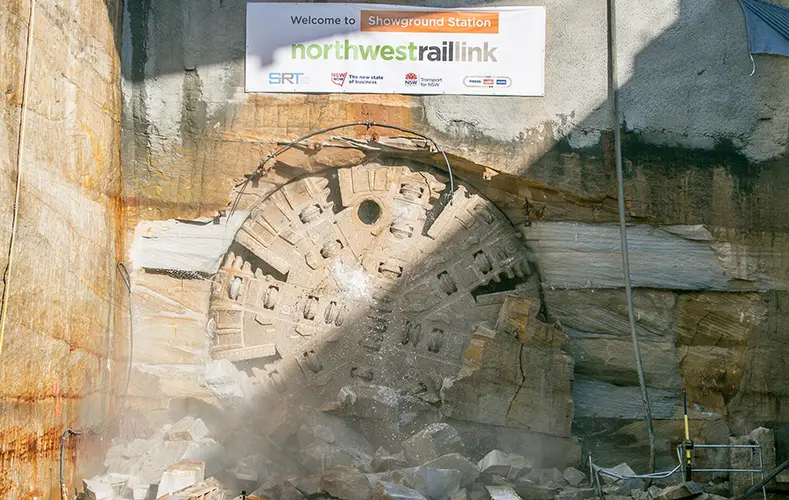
<point x="411" y="80"/>
<point x="487" y="81"/>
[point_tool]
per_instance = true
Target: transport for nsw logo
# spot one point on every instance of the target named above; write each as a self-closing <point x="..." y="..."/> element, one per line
<point x="411" y="79"/>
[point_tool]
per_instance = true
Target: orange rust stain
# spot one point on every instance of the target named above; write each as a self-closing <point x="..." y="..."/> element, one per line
<point x="18" y="445"/>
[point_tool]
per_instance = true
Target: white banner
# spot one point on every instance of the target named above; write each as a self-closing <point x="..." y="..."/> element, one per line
<point x="366" y="48"/>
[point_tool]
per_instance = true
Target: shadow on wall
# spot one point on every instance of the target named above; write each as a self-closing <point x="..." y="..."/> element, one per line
<point x="114" y="10"/>
<point x="697" y="122"/>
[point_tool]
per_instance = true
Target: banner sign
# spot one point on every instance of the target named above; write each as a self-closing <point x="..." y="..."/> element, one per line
<point x="366" y="48"/>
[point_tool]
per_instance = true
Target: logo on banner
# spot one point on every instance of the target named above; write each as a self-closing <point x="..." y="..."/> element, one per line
<point x="431" y="81"/>
<point x="411" y="79"/>
<point x="487" y="81"/>
<point x="278" y="78"/>
<point x="354" y="79"/>
<point x="339" y="78"/>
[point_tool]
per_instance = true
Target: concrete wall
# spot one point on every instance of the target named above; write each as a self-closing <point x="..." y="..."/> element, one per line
<point x="63" y="353"/>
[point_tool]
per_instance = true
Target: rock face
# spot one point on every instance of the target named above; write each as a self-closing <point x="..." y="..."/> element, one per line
<point x="516" y="379"/>
<point x="506" y="368"/>
<point x="604" y="311"/>
<point x="712" y="335"/>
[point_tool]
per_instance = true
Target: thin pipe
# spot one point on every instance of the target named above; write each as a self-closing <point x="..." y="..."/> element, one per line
<point x="727" y="446"/>
<point x="654" y="475"/>
<point x="20" y="146"/>
<point x="614" y="94"/>
<point x="761" y="466"/>
<point x="729" y="470"/>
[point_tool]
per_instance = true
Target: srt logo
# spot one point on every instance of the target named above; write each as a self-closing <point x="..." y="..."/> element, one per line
<point x="283" y="78"/>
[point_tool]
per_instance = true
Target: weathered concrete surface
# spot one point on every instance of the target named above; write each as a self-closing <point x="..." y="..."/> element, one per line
<point x="65" y="339"/>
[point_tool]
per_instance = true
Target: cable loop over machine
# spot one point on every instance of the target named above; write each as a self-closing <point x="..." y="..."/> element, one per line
<point x="262" y="170"/>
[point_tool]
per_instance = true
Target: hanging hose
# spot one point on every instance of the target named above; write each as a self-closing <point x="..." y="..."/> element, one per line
<point x="614" y="95"/>
<point x="95" y="432"/>
<point x="261" y="170"/>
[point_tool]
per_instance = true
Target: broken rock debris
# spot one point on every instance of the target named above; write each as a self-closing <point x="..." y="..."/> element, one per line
<point x="324" y="456"/>
<point x="503" y="464"/>
<point x="432" y="442"/>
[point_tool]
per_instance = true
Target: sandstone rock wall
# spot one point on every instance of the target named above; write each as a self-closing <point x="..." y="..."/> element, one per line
<point x="706" y="183"/>
<point x="63" y="353"/>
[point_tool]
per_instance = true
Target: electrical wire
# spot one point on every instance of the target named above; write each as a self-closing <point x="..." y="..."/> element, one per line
<point x="614" y="95"/>
<point x="20" y="146"/>
<point x="124" y="273"/>
<point x="261" y="170"/>
<point x="653" y="475"/>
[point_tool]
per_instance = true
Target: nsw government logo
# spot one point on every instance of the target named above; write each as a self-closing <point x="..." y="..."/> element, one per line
<point x="339" y="78"/>
<point x="411" y="79"/>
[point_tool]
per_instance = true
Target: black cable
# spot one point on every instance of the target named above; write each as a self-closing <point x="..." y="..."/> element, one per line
<point x="613" y="92"/>
<point x="261" y="170"/>
<point x="71" y="432"/>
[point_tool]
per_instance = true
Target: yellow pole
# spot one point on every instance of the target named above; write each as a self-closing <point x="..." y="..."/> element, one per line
<point x="688" y="445"/>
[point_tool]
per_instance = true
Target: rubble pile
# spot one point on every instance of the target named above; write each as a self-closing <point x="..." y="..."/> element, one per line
<point x="327" y="458"/>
